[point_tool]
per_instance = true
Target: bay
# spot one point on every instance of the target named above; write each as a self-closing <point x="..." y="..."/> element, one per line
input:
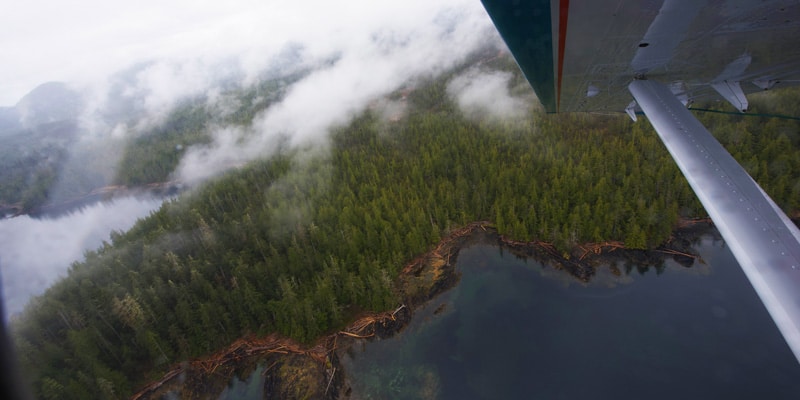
<point x="513" y="328"/>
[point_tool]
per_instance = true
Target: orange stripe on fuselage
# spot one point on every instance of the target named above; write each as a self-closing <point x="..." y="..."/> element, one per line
<point x="563" y="13"/>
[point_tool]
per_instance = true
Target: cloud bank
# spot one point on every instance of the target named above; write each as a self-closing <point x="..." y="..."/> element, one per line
<point x="135" y="61"/>
<point x="386" y="51"/>
<point x="85" y="41"/>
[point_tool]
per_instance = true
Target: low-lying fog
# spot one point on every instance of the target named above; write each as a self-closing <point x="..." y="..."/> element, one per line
<point x="34" y="253"/>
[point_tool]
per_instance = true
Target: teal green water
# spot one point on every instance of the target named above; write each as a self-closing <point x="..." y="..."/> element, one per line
<point x="514" y="329"/>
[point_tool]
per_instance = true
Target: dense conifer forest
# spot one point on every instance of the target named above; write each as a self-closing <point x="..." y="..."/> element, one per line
<point x="303" y="241"/>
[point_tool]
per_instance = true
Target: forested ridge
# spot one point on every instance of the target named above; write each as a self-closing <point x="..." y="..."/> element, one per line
<point x="300" y="243"/>
<point x="54" y="162"/>
<point x="154" y="154"/>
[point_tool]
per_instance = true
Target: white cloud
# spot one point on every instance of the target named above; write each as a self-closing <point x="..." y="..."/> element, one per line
<point x="478" y="93"/>
<point x="231" y="148"/>
<point x="383" y="53"/>
<point x="85" y="40"/>
<point x="168" y="50"/>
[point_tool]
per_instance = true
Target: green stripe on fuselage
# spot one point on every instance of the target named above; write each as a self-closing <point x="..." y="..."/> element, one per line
<point x="527" y="30"/>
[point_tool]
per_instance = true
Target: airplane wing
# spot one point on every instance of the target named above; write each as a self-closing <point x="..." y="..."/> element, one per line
<point x="658" y="56"/>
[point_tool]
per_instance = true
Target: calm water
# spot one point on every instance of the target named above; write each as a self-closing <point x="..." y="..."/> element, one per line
<point x="512" y="329"/>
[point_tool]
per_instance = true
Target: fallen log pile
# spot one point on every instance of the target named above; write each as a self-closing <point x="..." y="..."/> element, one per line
<point x="597" y="248"/>
<point x="445" y="245"/>
<point x="247" y="347"/>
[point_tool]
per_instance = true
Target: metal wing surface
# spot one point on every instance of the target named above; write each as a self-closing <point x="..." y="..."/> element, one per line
<point x="580" y="55"/>
<point x="658" y="56"/>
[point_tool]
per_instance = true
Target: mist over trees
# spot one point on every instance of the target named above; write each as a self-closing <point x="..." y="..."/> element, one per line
<point x="302" y="241"/>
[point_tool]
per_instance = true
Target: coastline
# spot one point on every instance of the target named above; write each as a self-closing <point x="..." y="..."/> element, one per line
<point x="297" y="371"/>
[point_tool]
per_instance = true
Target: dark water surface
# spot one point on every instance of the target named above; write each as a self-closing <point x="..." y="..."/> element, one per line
<point x="513" y="329"/>
<point x="250" y="389"/>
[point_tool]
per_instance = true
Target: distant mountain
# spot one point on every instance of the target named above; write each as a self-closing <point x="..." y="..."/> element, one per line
<point x="36" y="135"/>
<point x="47" y="103"/>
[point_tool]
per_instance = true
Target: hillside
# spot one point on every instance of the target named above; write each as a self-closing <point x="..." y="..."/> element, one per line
<point x="53" y="157"/>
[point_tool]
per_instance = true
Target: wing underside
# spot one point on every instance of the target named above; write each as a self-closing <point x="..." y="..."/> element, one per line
<point x="764" y="241"/>
<point x="659" y="56"/>
<point x="580" y="55"/>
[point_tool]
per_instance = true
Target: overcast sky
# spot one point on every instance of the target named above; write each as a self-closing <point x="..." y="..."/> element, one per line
<point x="82" y="41"/>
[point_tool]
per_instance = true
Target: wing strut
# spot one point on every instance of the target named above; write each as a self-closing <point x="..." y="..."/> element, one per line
<point x="762" y="238"/>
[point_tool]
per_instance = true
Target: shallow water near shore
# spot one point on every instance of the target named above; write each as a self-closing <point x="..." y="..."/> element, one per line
<point x="512" y="328"/>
